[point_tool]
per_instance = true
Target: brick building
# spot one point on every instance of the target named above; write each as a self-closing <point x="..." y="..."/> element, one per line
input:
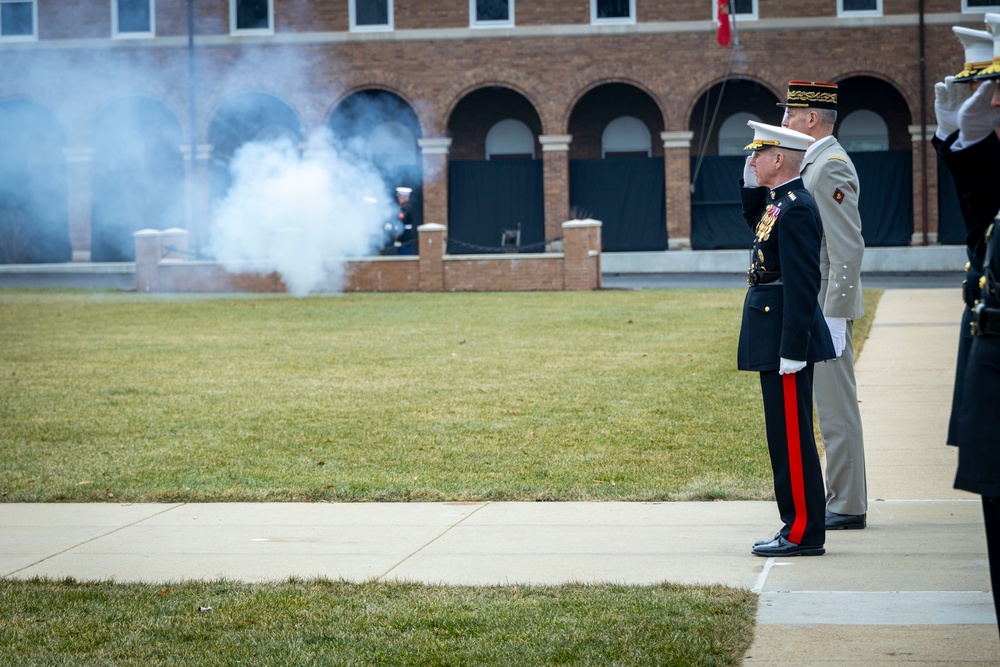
<point x="119" y="115"/>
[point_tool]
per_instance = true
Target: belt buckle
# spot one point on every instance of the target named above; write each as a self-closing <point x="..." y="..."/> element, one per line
<point x="753" y="278"/>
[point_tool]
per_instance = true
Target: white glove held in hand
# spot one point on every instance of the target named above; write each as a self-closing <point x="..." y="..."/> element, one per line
<point x="749" y="177"/>
<point x="838" y="331"/>
<point x="788" y="366"/>
<point x="948" y="99"/>
<point x="977" y="117"/>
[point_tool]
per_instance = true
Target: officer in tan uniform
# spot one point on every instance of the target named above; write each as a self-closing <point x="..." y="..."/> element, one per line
<point x="830" y="176"/>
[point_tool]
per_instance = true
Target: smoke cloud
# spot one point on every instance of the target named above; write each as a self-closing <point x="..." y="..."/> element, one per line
<point x="300" y="214"/>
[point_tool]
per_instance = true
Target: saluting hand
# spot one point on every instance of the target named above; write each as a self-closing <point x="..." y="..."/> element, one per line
<point x="977" y="117"/>
<point x="948" y="99"/>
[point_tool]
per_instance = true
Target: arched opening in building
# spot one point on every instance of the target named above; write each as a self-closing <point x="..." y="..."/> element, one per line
<point x="872" y="122"/>
<point x="381" y="128"/>
<point x="137" y="176"/>
<point x="242" y="119"/>
<point x="719" y="125"/>
<point x="616" y="169"/>
<point x="496" y="200"/>
<point x="34" y="222"/>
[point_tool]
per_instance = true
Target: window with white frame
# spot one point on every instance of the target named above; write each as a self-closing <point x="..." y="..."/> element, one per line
<point x="251" y="16"/>
<point x="735" y="134"/>
<point x="859" y="7"/>
<point x="970" y="6"/>
<point x="491" y="13"/>
<point x="510" y="139"/>
<point x="370" y="14"/>
<point x="18" y="19"/>
<point x="626" y="136"/>
<point x="741" y="10"/>
<point x="612" y="11"/>
<point x="863" y="131"/>
<point x="133" y="18"/>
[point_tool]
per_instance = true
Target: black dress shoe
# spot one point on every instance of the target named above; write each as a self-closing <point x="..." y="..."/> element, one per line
<point x="782" y="547"/>
<point x="836" y="521"/>
<point x="767" y="540"/>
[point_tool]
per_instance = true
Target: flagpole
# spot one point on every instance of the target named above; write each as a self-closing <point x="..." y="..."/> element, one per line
<point x="732" y="23"/>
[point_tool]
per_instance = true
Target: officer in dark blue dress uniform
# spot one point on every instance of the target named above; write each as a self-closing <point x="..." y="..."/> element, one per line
<point x="784" y="334"/>
<point x="973" y="158"/>
<point x="977" y="210"/>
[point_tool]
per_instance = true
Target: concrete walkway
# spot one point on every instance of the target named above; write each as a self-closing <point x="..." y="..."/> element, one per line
<point x="911" y="589"/>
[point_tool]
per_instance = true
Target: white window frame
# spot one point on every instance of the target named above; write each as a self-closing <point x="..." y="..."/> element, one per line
<point x="966" y="9"/>
<point x="752" y="16"/>
<point x="626" y="21"/>
<point x="474" y="23"/>
<point x="848" y="13"/>
<point x="353" y="13"/>
<point x="33" y="37"/>
<point x="117" y="34"/>
<point x="269" y="30"/>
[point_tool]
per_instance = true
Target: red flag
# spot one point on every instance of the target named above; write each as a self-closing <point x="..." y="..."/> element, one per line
<point x="723" y="33"/>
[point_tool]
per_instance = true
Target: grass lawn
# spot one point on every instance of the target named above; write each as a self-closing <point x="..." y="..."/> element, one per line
<point x="608" y="395"/>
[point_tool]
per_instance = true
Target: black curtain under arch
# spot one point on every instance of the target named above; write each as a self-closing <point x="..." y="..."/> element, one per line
<point x="628" y="196"/>
<point x="490" y="196"/>
<point x="886" y="203"/>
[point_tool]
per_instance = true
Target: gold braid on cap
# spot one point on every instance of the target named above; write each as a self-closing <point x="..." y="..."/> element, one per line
<point x="760" y="143"/>
<point x="807" y="96"/>
<point x="972" y="69"/>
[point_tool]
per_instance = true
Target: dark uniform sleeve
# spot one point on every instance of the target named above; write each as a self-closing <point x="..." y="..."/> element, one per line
<point x="798" y="253"/>
<point x="976" y="173"/>
<point x="754" y="202"/>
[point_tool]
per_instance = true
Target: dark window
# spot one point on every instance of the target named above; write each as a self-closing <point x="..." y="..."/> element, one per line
<point x="613" y="9"/>
<point x="371" y="12"/>
<point x="981" y="3"/>
<point x="860" y="5"/>
<point x="741" y="6"/>
<point x="134" y="16"/>
<point x="492" y="10"/>
<point x="16" y="19"/>
<point x="252" y="15"/>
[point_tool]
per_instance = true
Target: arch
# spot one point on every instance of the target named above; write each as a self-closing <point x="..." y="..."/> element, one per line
<point x="600" y="106"/>
<point x="881" y="97"/>
<point x="626" y="136"/>
<point x="862" y="131"/>
<point x="724" y="100"/>
<point x="137" y="175"/>
<point x="34" y="221"/>
<point x="510" y="138"/>
<point x="250" y="116"/>
<point x="241" y="119"/>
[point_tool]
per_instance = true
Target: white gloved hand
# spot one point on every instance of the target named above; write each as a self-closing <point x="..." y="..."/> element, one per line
<point x="788" y="366"/>
<point x="749" y="177"/>
<point x="948" y="99"/>
<point x="838" y="331"/>
<point x="977" y="117"/>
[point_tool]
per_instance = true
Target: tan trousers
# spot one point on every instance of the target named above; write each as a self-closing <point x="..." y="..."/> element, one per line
<point x="835" y="392"/>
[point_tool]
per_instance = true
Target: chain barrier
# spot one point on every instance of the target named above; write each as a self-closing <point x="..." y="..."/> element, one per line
<point x="504" y="249"/>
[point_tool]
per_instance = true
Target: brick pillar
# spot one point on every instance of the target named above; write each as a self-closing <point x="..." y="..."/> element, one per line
<point x="197" y="178"/>
<point x="435" y="163"/>
<point x="677" y="168"/>
<point x="147" y="260"/>
<point x="555" y="158"/>
<point x="917" y="147"/>
<point x="79" y="201"/>
<point x="432" y="242"/>
<point x="581" y="254"/>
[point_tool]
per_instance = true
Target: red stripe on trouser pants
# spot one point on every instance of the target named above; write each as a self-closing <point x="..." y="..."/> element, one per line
<point x="794" y="457"/>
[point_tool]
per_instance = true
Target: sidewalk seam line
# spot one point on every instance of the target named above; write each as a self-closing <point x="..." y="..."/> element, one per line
<point x="431" y="541"/>
<point x="6" y="575"/>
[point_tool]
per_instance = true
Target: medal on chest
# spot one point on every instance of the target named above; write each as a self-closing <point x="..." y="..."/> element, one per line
<point x="767" y="221"/>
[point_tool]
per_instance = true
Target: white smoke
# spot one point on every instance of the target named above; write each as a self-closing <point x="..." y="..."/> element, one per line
<point x="301" y="215"/>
